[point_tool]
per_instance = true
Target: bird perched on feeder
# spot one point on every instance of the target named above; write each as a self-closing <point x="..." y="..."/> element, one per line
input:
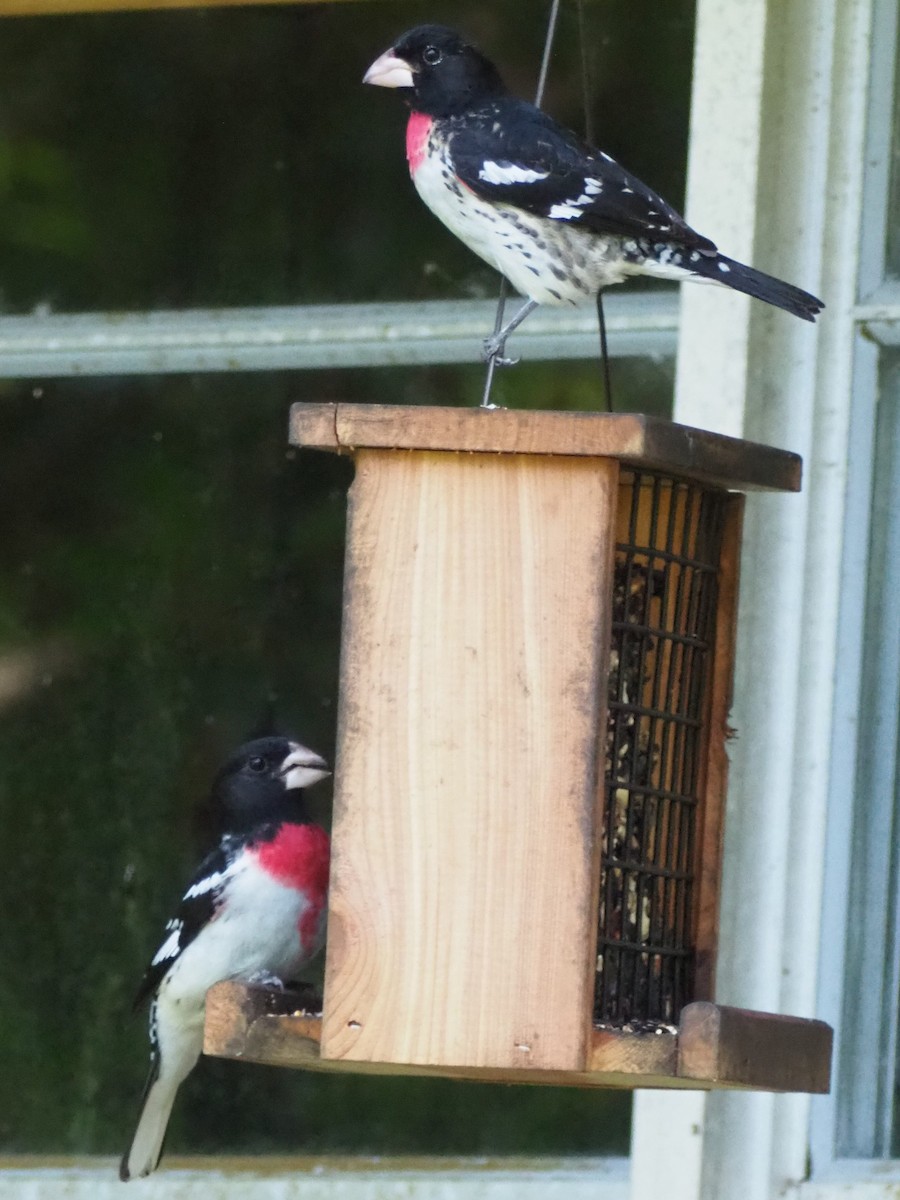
<point x="254" y="910"/>
<point x="561" y="220"/>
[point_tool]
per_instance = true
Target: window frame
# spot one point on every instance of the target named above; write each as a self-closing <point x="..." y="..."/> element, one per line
<point x="810" y="95"/>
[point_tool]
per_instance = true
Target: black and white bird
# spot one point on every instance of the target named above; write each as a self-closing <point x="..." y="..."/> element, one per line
<point x="255" y="909"/>
<point x="561" y="220"/>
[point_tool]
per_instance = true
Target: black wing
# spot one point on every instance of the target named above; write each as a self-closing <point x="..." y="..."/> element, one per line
<point x="197" y="908"/>
<point x="516" y="154"/>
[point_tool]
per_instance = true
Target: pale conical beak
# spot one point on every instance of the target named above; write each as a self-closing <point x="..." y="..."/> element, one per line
<point x="389" y="71"/>
<point x="302" y="768"/>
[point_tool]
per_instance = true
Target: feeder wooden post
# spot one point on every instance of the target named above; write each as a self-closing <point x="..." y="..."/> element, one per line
<point x="467" y="802"/>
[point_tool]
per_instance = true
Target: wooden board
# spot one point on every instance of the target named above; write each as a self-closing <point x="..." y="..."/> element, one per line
<point x="713" y="1048"/>
<point x="714" y="781"/>
<point x="631" y="438"/>
<point x="752" y="1049"/>
<point x="463" y="904"/>
<point x="43" y="8"/>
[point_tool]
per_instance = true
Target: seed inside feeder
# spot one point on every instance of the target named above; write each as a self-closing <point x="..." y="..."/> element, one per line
<point x="663" y="621"/>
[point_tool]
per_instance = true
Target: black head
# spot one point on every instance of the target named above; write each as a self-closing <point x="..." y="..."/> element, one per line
<point x="440" y="73"/>
<point x="263" y="781"/>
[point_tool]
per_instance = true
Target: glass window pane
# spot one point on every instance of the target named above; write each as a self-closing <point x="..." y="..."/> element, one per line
<point x="233" y="157"/>
<point x="868" y="1096"/>
<point x="892" y="249"/>
<point x="170" y="582"/>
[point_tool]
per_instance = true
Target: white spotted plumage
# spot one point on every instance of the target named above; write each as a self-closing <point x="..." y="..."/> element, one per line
<point x="518" y="244"/>
<point x="256" y="906"/>
<point x="561" y="220"/>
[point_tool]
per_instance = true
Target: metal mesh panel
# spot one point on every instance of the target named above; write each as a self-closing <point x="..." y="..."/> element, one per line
<point x="663" y="618"/>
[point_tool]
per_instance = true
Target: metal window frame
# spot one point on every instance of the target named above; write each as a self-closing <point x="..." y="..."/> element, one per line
<point x="321" y="336"/>
<point x="326" y="1179"/>
<point x="796" y="123"/>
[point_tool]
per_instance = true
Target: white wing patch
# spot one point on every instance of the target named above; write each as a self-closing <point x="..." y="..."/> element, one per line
<point x="569" y="209"/>
<point x="501" y="172"/>
<point x="172" y="944"/>
<point x="565" y="211"/>
<point x="207" y="884"/>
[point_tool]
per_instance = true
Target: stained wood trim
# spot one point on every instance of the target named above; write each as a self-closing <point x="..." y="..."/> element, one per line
<point x="735" y="1046"/>
<point x="44" y="8"/>
<point x="713" y="1048"/>
<point x="714" y="784"/>
<point x="634" y="439"/>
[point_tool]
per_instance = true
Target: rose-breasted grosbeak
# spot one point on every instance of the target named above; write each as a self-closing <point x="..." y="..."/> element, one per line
<point x="255" y="908"/>
<point x="561" y="220"/>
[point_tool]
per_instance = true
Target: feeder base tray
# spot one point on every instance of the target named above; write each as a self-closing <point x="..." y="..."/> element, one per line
<point x="713" y="1047"/>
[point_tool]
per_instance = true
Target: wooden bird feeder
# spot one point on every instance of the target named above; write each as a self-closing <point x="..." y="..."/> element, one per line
<point x="539" y="618"/>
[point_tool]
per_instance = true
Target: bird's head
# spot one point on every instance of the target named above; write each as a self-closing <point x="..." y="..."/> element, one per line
<point x="439" y="72"/>
<point x="263" y="781"/>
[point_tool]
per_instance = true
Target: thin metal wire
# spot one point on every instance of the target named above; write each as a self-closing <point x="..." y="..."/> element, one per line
<point x="586" y="89"/>
<point x="552" y="21"/>
<point x="604" y="353"/>
<point x="664" y="598"/>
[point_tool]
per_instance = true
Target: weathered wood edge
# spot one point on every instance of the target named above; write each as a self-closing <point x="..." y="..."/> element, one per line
<point x="632" y="438"/>
<point x="722" y="1045"/>
<point x="40" y="8"/>
<point x="714" y="780"/>
<point x="714" y="1047"/>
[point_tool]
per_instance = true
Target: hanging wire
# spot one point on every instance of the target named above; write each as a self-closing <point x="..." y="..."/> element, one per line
<point x="552" y="21"/>
<point x="586" y="89"/>
<point x="587" y="92"/>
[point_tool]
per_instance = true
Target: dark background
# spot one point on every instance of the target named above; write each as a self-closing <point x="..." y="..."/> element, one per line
<point x="170" y="572"/>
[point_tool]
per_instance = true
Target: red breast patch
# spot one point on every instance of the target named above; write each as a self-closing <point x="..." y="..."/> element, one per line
<point x="298" y="857"/>
<point x="417" y="131"/>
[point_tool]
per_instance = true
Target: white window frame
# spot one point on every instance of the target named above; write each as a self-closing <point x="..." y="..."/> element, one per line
<point x="792" y="103"/>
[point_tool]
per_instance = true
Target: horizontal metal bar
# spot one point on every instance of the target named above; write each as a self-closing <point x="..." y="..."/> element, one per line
<point x="321" y="336"/>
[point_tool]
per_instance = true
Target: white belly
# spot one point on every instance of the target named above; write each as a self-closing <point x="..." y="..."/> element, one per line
<point x="571" y="271"/>
<point x="257" y="930"/>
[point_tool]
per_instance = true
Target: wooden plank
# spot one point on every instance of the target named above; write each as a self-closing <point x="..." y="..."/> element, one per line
<point x="714" y="784"/>
<point x="714" y="1048"/>
<point x="462" y="917"/>
<point x="617" y="1051"/>
<point x="43" y="8"/>
<point x="253" y="1024"/>
<point x="637" y="440"/>
<point x="730" y="1047"/>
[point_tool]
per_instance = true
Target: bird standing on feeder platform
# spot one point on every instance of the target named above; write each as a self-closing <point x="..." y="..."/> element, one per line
<point x="561" y="220"/>
<point x="254" y="910"/>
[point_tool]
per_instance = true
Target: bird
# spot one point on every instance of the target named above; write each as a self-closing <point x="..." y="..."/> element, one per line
<point x="560" y="219"/>
<point x="254" y="910"/>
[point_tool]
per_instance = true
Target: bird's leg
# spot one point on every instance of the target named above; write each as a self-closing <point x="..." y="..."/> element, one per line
<point x="496" y="343"/>
<point x="604" y="352"/>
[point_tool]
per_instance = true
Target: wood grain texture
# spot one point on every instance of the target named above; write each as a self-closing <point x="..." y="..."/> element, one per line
<point x="39" y="8"/>
<point x="462" y="917"/>
<point x="714" y="783"/>
<point x="631" y="438"/>
<point x="737" y="1047"/>
<point x="714" y="1048"/>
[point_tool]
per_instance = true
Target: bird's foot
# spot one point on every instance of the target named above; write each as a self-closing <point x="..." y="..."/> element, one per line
<point x="267" y="979"/>
<point x="493" y="351"/>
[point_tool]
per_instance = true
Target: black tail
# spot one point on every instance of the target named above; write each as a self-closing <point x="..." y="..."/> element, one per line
<point x="757" y="284"/>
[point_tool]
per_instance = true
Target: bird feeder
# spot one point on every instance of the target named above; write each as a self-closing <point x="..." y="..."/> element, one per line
<point x="536" y="667"/>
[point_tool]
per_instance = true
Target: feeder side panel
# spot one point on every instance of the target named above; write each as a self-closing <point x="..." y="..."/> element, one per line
<point x="714" y="784"/>
<point x="467" y="792"/>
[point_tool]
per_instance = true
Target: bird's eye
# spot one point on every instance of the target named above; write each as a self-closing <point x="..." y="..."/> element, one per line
<point x="257" y="764"/>
<point x="432" y="55"/>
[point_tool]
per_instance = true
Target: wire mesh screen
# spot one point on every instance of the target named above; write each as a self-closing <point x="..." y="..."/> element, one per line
<point x="663" y="618"/>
